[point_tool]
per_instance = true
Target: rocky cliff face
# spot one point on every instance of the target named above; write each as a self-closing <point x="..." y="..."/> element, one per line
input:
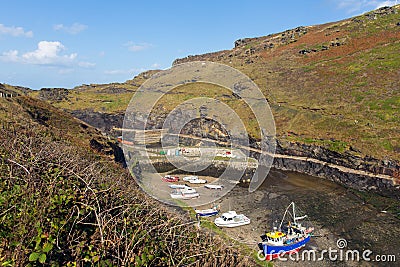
<point x="346" y="159"/>
<point x="357" y="181"/>
<point x="53" y="94"/>
<point x="293" y="155"/>
<point x="102" y="121"/>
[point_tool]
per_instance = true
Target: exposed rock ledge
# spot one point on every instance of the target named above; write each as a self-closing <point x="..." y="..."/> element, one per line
<point x="345" y="168"/>
<point x="358" y="179"/>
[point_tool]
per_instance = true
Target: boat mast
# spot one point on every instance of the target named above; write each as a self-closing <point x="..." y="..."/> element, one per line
<point x="284" y="215"/>
<point x="294" y="214"/>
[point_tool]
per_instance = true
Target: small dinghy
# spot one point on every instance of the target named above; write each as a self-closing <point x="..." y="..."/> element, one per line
<point x="198" y="181"/>
<point x="189" y="178"/>
<point x="184" y="193"/>
<point x="214" y="186"/>
<point x="177" y="186"/>
<point x="170" y="178"/>
<point x="207" y="212"/>
<point x="231" y="219"/>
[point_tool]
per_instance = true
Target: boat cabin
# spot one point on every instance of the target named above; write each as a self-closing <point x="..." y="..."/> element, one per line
<point x="230" y="216"/>
<point x="184" y="190"/>
<point x="275" y="238"/>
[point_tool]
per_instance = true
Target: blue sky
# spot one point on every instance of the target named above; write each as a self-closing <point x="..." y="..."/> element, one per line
<point x="69" y="43"/>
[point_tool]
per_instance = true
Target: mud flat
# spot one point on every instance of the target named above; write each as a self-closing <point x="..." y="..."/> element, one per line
<point x="335" y="211"/>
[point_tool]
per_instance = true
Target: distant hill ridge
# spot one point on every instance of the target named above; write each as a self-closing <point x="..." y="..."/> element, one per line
<point x="334" y="85"/>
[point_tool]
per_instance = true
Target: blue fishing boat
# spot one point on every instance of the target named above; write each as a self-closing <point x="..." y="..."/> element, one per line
<point x="207" y="212"/>
<point x="288" y="239"/>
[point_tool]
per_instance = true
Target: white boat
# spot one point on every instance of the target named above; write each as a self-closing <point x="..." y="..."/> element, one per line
<point x="214" y="186"/>
<point x="177" y="186"/>
<point x="207" y="212"/>
<point x="184" y="193"/>
<point x="198" y="181"/>
<point x="231" y="219"/>
<point x="189" y="178"/>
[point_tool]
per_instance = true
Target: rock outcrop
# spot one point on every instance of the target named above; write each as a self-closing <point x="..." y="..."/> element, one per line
<point x="53" y="94"/>
<point x="102" y="121"/>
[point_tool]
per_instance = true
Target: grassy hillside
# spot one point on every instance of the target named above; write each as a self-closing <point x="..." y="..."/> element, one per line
<point x="334" y="85"/>
<point x="110" y="98"/>
<point x="335" y="81"/>
<point x="66" y="203"/>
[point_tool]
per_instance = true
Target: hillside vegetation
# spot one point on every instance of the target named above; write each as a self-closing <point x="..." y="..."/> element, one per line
<point x="335" y="85"/>
<point x="65" y="202"/>
<point x="338" y="81"/>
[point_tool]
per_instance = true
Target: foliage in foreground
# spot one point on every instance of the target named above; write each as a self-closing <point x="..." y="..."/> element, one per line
<point x="63" y="205"/>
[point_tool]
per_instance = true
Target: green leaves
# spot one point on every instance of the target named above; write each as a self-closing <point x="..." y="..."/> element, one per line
<point x="37" y="256"/>
<point x="42" y="258"/>
<point x="34" y="256"/>
<point x="40" y="251"/>
<point x="47" y="247"/>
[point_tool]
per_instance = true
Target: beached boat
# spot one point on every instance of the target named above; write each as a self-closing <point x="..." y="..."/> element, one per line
<point x="170" y="178"/>
<point x="198" y="181"/>
<point x="288" y="238"/>
<point x="184" y="193"/>
<point x="214" y="186"/>
<point x="189" y="178"/>
<point x="177" y="186"/>
<point x="207" y="212"/>
<point x="231" y="219"/>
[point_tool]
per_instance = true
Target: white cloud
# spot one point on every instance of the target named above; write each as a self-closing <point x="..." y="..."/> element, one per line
<point x="10" y="56"/>
<point x="386" y="3"/>
<point x="73" y="29"/>
<point x="122" y="71"/>
<point x="47" y="53"/>
<point x="14" y="31"/>
<point x="65" y="71"/>
<point x="137" y="47"/>
<point x="353" y="6"/>
<point x="132" y="71"/>
<point x="85" y="64"/>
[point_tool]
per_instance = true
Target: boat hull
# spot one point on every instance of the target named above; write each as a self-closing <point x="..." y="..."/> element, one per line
<point x="272" y="252"/>
<point x="232" y="225"/>
<point x="204" y="213"/>
<point x="210" y="186"/>
<point x="198" y="181"/>
<point x="185" y="196"/>
<point x="170" y="180"/>
<point x="221" y="223"/>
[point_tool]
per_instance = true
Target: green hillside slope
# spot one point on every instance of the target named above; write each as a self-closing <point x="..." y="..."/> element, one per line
<point x="64" y="202"/>
<point x="335" y="85"/>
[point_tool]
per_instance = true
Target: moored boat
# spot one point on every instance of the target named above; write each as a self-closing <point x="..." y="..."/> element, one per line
<point x="170" y="178"/>
<point x="177" y="186"/>
<point x="189" y="178"/>
<point x="231" y="219"/>
<point x="287" y="239"/>
<point x="214" y="186"/>
<point x="184" y="193"/>
<point x="207" y="212"/>
<point x="198" y="181"/>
